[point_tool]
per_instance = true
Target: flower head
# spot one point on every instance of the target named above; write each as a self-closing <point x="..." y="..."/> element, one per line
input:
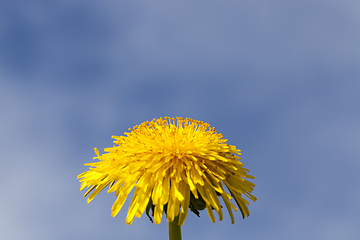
<point x="174" y="165"/>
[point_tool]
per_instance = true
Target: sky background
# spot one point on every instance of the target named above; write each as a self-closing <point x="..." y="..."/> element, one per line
<point x="279" y="79"/>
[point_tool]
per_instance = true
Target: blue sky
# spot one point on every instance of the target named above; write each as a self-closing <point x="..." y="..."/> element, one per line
<point x="279" y="79"/>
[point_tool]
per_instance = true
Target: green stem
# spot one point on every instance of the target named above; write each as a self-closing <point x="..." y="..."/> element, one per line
<point x="174" y="229"/>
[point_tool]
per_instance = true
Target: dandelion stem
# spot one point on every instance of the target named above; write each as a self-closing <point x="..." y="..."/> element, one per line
<point x="174" y="229"/>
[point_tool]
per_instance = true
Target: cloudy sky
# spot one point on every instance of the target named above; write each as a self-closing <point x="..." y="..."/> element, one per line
<point x="279" y="79"/>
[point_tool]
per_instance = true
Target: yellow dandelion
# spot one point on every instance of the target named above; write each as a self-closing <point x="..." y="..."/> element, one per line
<point x="173" y="165"/>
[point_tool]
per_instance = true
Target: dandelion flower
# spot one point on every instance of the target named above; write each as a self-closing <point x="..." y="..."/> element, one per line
<point x="173" y="165"/>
